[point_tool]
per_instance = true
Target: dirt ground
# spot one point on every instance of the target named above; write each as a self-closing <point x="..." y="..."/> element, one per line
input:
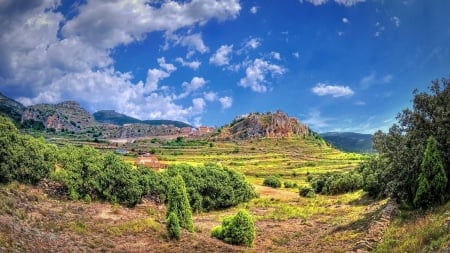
<point x="31" y="221"/>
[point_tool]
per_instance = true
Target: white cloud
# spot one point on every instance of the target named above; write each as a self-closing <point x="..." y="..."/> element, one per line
<point x="210" y="96"/>
<point x="226" y="102"/>
<point x="275" y="55"/>
<point x="198" y="105"/>
<point x="154" y="76"/>
<point x="194" y="42"/>
<point x="221" y="57"/>
<point x="396" y="21"/>
<point x="296" y="55"/>
<point x="122" y="22"/>
<point x="253" y="43"/>
<point x="346" y="3"/>
<point x="254" y="9"/>
<point x="322" y="89"/>
<point x="374" y="79"/>
<point x="190" y="64"/>
<point x="195" y="84"/>
<point x="256" y="73"/>
<point x="47" y="57"/>
<point x="345" y="20"/>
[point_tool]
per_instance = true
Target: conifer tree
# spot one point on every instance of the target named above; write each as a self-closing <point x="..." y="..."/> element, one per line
<point x="432" y="179"/>
<point x="178" y="203"/>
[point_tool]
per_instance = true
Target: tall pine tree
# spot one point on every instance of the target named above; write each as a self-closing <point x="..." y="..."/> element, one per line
<point x="178" y="203"/>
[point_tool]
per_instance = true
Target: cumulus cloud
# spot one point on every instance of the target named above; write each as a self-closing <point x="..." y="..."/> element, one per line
<point x="47" y="57"/>
<point x="322" y="89"/>
<point x="190" y="64"/>
<point x="226" y="102"/>
<point x="222" y="56"/>
<point x="256" y="73"/>
<point x="345" y="20"/>
<point x="210" y="96"/>
<point x="122" y="22"/>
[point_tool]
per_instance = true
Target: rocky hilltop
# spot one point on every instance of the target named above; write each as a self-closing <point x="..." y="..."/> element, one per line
<point x="65" y="116"/>
<point x="256" y="125"/>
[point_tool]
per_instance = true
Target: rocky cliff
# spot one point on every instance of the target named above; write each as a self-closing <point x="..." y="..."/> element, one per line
<point x="67" y="116"/>
<point x="256" y="125"/>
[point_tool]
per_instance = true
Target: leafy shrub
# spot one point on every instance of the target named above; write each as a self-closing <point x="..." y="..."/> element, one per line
<point x="337" y="183"/>
<point x="85" y="171"/>
<point x="238" y="229"/>
<point x="173" y="226"/>
<point x="212" y="187"/>
<point x="217" y="232"/>
<point x="272" y="181"/>
<point x="307" y="192"/>
<point x="23" y="157"/>
<point x="288" y="184"/>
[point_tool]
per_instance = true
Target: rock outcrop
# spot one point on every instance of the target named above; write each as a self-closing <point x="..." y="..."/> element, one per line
<point x="272" y="125"/>
<point x="68" y="116"/>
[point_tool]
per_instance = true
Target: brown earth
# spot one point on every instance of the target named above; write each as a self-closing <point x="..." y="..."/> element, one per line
<point x="31" y="221"/>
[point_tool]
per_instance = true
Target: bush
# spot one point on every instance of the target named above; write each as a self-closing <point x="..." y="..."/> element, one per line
<point x="217" y="232"/>
<point x="272" y="181"/>
<point x="238" y="229"/>
<point x="173" y="226"/>
<point x="23" y="157"/>
<point x="307" y="192"/>
<point x="288" y="184"/>
<point x="212" y="187"/>
<point x="337" y="183"/>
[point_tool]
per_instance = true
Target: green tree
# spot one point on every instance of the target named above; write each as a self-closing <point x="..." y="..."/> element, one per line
<point x="178" y="203"/>
<point x="173" y="226"/>
<point x="238" y="229"/>
<point x="432" y="179"/>
<point x="401" y="150"/>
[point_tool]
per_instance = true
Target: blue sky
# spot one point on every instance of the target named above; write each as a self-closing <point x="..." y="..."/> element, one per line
<point x="337" y="65"/>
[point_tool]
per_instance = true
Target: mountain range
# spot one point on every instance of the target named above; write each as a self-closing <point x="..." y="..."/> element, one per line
<point x="350" y="142"/>
<point x="70" y="117"/>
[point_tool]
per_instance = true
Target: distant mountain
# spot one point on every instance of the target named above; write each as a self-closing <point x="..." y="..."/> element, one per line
<point x="115" y="118"/>
<point x="351" y="142"/>
<point x="256" y="125"/>
<point x="11" y="108"/>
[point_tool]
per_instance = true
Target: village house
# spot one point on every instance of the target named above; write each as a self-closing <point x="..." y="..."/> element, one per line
<point x="150" y="161"/>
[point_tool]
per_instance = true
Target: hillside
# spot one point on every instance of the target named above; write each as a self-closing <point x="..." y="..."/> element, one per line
<point x="350" y="142"/>
<point x="256" y="125"/>
<point x="65" y="116"/>
<point x="11" y="108"/>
